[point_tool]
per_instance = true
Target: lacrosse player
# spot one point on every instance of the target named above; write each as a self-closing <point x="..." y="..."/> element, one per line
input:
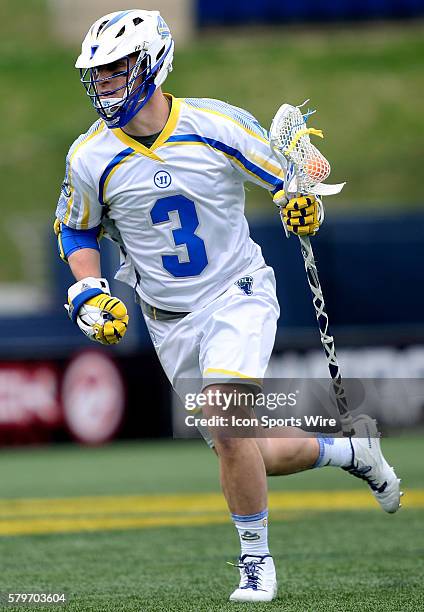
<point x="164" y="178"/>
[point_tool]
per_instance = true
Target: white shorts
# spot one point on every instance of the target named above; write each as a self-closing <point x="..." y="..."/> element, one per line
<point x="229" y="339"/>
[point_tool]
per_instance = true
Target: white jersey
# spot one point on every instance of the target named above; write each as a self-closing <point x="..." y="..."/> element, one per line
<point x="178" y="206"/>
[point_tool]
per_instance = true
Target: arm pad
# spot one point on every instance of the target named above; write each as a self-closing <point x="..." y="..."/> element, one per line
<point x="70" y="240"/>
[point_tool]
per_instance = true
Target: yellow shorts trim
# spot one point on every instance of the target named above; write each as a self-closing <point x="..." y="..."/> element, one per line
<point x="231" y="373"/>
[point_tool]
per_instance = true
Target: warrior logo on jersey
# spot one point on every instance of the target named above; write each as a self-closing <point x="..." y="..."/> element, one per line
<point x="162" y="179"/>
<point x="245" y="284"/>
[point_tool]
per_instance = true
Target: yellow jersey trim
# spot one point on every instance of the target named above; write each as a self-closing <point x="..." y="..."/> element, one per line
<point x="163" y="136"/>
<point x="266" y="165"/>
<point x="86" y="213"/>
<point x="77" y="148"/>
<point x="134" y="144"/>
<point x="214" y="112"/>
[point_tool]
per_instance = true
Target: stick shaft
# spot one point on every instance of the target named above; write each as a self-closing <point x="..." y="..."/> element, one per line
<point x="327" y="339"/>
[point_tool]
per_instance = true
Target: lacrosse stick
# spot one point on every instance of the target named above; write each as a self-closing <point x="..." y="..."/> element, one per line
<point x="305" y="169"/>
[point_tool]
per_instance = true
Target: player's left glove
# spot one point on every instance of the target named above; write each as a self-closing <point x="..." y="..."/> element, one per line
<point x="100" y="316"/>
<point x="301" y="215"/>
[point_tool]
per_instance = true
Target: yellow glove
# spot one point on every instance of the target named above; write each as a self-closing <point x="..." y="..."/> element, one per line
<point x="113" y="322"/>
<point x="100" y="316"/>
<point x="301" y="215"/>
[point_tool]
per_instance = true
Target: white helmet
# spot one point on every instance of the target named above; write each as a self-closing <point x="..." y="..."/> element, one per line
<point x="118" y="36"/>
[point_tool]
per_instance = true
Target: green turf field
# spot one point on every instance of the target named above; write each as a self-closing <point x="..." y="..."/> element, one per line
<point x="365" y="81"/>
<point x="142" y="527"/>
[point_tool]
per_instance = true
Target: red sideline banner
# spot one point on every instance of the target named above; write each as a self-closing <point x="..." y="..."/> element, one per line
<point x="42" y="401"/>
<point x="93" y="397"/>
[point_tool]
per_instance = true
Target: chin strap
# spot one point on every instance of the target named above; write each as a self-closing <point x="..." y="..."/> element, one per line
<point x="136" y="105"/>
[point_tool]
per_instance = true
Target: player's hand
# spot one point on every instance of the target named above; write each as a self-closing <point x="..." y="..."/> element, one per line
<point x="100" y="316"/>
<point x="301" y="215"/>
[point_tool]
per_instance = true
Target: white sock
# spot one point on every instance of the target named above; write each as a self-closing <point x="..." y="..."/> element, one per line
<point x="334" y="451"/>
<point x="253" y="532"/>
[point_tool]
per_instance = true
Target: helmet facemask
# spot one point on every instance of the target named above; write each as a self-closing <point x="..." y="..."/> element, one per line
<point x="130" y="97"/>
<point x="114" y="104"/>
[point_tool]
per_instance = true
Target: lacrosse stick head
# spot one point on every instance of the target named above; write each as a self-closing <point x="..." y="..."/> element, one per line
<point x="290" y="142"/>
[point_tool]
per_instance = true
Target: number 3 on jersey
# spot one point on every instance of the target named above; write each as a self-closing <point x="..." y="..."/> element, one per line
<point x="185" y="234"/>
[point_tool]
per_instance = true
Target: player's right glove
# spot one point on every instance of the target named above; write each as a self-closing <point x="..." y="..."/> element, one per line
<point x="100" y="316"/>
<point x="301" y="215"/>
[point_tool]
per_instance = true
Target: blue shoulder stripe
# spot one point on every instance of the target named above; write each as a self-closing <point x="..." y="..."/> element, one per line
<point x="220" y="146"/>
<point x="109" y="168"/>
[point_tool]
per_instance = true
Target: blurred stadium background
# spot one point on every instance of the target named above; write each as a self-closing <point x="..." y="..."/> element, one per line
<point x="93" y="457"/>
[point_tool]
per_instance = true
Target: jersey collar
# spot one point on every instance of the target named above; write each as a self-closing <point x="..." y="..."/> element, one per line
<point x="163" y="136"/>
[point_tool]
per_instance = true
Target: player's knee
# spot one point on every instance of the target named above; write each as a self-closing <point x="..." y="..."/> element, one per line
<point x="225" y="401"/>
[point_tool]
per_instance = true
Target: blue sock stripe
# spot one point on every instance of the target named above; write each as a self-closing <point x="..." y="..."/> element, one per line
<point x="321" y="453"/>
<point x="240" y="518"/>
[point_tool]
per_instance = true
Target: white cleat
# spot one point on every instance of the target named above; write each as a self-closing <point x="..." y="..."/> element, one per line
<point x="368" y="463"/>
<point x="258" y="581"/>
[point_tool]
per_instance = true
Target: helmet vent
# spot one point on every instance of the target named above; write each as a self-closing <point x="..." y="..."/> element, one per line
<point x="101" y="26"/>
<point x="161" y="52"/>
<point x="121" y="32"/>
<point x="137" y="20"/>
